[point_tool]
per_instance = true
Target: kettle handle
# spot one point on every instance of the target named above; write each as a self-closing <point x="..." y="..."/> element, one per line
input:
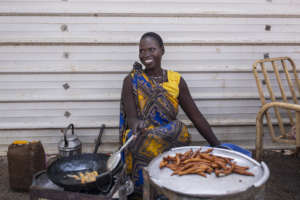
<point x="65" y="133"/>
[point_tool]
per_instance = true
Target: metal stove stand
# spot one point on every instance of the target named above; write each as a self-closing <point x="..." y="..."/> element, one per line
<point x="43" y="189"/>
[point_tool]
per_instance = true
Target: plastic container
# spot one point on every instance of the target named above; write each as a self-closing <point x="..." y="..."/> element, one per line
<point x="24" y="160"/>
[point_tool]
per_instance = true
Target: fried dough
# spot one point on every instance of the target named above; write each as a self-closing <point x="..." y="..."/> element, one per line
<point x="201" y="163"/>
<point x="85" y="177"/>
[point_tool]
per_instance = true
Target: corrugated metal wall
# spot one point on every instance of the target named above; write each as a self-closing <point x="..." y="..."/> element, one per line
<point x="63" y="61"/>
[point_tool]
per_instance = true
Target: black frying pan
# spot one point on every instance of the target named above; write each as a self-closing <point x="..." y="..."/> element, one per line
<point x="59" y="170"/>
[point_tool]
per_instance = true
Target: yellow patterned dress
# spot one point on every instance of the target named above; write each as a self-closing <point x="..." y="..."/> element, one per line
<point x="157" y="105"/>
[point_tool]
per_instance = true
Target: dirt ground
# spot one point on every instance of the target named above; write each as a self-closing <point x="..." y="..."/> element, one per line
<point x="284" y="181"/>
<point x="283" y="184"/>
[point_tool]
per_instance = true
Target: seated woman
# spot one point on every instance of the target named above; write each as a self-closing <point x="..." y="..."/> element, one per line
<point x="149" y="107"/>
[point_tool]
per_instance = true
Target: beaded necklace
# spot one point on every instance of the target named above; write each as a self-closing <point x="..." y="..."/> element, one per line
<point x="158" y="79"/>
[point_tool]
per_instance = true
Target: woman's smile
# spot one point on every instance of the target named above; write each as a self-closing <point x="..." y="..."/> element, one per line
<point x="148" y="61"/>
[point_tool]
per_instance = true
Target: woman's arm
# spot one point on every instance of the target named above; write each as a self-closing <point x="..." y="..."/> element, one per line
<point x="130" y="106"/>
<point x="189" y="107"/>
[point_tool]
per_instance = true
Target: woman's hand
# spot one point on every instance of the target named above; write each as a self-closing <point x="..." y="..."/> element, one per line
<point x="138" y="130"/>
<point x="139" y="127"/>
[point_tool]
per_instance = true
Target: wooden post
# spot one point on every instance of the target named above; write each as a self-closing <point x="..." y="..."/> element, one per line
<point x="297" y="132"/>
<point x="146" y="187"/>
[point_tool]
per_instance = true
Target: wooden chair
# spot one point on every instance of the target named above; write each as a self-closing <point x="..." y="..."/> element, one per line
<point x="277" y="89"/>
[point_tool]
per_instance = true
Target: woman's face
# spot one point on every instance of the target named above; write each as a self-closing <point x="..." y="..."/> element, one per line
<point x="150" y="53"/>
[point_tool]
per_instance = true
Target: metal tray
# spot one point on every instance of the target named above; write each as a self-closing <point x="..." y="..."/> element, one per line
<point x="196" y="185"/>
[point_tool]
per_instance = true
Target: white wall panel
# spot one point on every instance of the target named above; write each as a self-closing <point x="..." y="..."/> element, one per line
<point x="104" y="87"/>
<point x="91" y="46"/>
<point x="93" y="114"/>
<point x="119" y="59"/>
<point x="110" y="138"/>
<point x="128" y="29"/>
<point x="169" y="7"/>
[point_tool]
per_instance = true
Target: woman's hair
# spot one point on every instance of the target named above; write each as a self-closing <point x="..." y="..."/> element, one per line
<point x="156" y="37"/>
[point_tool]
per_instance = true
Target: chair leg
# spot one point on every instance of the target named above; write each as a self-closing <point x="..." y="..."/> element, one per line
<point x="259" y="140"/>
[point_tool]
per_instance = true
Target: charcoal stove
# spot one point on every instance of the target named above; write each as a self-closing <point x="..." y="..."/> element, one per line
<point x="43" y="188"/>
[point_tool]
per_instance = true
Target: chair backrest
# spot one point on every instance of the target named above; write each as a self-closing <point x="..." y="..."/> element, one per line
<point x="277" y="80"/>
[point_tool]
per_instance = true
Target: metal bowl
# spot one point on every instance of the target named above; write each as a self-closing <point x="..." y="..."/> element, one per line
<point x="211" y="186"/>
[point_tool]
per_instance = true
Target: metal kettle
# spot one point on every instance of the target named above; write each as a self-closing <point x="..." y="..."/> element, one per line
<point x="69" y="145"/>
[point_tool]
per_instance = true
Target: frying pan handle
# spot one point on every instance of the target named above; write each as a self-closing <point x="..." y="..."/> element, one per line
<point x="98" y="141"/>
<point x="36" y="175"/>
<point x="65" y="133"/>
<point x="108" y="186"/>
